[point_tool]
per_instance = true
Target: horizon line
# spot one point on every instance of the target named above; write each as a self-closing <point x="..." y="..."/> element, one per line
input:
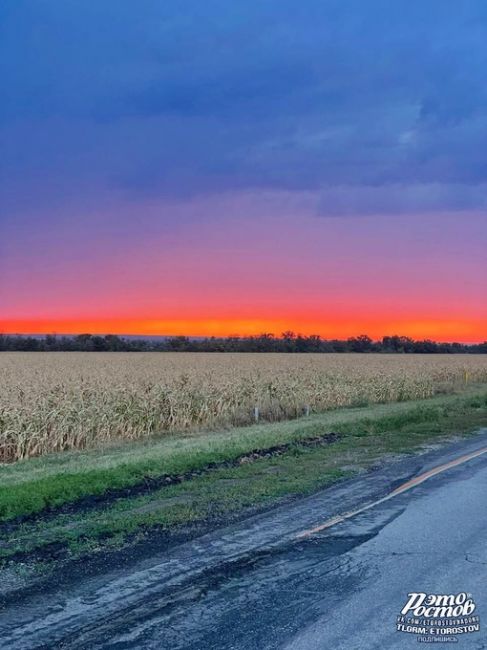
<point x="238" y="336"/>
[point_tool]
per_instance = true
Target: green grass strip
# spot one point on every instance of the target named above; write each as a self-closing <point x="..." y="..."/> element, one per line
<point x="30" y="486"/>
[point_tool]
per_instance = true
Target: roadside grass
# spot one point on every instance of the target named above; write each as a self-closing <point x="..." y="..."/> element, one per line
<point x="369" y="436"/>
<point x="31" y="486"/>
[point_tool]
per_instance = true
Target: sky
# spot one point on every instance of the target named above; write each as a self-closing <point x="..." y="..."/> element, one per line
<point x="216" y="168"/>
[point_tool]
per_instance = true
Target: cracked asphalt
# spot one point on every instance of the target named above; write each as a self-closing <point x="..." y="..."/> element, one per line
<point x="257" y="585"/>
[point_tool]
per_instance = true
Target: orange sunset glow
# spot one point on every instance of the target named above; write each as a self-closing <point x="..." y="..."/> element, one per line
<point x="415" y="276"/>
<point x="436" y="330"/>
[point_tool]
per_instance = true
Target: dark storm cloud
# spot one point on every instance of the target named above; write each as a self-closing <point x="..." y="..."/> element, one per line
<point x="376" y="107"/>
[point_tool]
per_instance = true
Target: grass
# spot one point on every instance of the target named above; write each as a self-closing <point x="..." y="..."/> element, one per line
<point x="369" y="435"/>
<point x="30" y="486"/>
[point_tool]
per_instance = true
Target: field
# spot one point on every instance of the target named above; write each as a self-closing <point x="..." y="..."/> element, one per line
<point x="65" y="401"/>
<point x="193" y="457"/>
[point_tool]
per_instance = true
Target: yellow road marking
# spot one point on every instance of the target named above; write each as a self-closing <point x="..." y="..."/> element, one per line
<point x="402" y="488"/>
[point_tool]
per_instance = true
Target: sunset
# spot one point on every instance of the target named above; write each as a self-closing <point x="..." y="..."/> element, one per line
<point x="189" y="187"/>
<point x="437" y="330"/>
<point x="421" y="275"/>
<point x="243" y="324"/>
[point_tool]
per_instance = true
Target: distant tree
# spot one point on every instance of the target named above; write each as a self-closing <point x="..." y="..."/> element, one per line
<point x="397" y="344"/>
<point x="84" y="343"/>
<point x="178" y="344"/>
<point x="314" y="343"/>
<point x="288" y="339"/>
<point x="362" y="343"/>
<point x="114" y="343"/>
<point x="265" y="342"/>
<point x="50" y="342"/>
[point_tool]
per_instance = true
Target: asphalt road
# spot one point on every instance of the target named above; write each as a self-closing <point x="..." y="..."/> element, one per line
<point x="284" y="580"/>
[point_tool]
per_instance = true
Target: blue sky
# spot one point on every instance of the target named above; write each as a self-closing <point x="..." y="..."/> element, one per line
<point x="184" y="98"/>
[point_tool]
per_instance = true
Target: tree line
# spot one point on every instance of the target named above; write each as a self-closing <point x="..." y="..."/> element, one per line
<point x="287" y="342"/>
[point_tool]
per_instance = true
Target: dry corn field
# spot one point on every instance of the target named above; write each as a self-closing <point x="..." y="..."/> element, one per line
<point x="60" y="401"/>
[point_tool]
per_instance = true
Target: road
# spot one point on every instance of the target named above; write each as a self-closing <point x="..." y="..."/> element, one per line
<point x="295" y="578"/>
